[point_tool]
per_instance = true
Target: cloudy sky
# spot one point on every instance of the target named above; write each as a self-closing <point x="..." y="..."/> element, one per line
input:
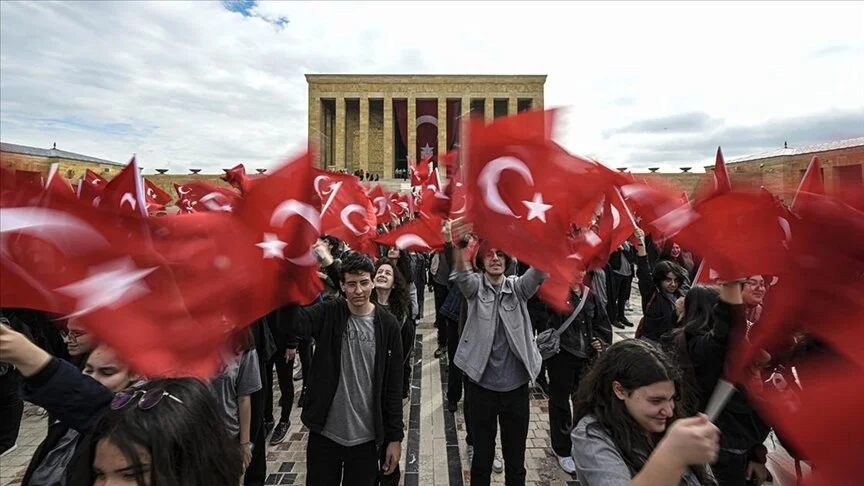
<point x="208" y="84"/>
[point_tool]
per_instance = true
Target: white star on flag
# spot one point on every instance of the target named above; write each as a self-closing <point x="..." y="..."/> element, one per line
<point x="536" y="208"/>
<point x="113" y="284"/>
<point x="273" y="247"/>
<point x="426" y="151"/>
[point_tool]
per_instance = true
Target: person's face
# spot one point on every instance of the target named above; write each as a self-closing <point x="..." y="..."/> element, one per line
<point x="676" y="250"/>
<point x="113" y="469"/>
<point x="579" y="276"/>
<point x="493" y="262"/>
<point x="670" y="283"/>
<point x="357" y="288"/>
<point x="384" y="277"/>
<point x="754" y="290"/>
<point x="393" y="253"/>
<point x="104" y="367"/>
<point x="650" y="406"/>
<point x="78" y="340"/>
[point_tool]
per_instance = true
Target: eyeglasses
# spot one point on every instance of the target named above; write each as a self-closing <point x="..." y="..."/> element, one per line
<point x="148" y="400"/>
<point x="72" y="336"/>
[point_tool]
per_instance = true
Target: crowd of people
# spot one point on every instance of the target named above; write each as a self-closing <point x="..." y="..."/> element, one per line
<point x="623" y="413"/>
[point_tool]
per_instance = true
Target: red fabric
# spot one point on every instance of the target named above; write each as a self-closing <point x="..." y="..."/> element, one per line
<point x="58" y="186"/>
<point x="399" y="204"/>
<point x="163" y="292"/>
<point x="326" y="183"/>
<point x="454" y="122"/>
<point x="281" y="208"/>
<point x="350" y="216"/>
<point x="155" y="197"/>
<point x="820" y="294"/>
<point x="400" y="108"/>
<point x="522" y="190"/>
<point x="124" y="192"/>
<point x="28" y="178"/>
<point x="203" y="197"/>
<point x="427" y="130"/>
<point x="419" y="172"/>
<point x="381" y="203"/>
<point x="421" y="235"/>
<point x="90" y="187"/>
<point x="237" y="177"/>
<point x="811" y="182"/>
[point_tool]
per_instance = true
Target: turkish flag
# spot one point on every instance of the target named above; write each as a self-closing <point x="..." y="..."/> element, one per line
<point x="427" y="130"/>
<point x="811" y="182"/>
<point x="28" y="178"/>
<point x="165" y="293"/>
<point x="56" y="185"/>
<point x="280" y="210"/>
<point x="90" y="187"/>
<point x="125" y="192"/>
<point x="522" y="190"/>
<point x="156" y="199"/>
<point x="381" y="203"/>
<point x="326" y="182"/>
<point x="203" y="197"/>
<point x="720" y="182"/>
<point x="398" y="204"/>
<point x="420" y="172"/>
<point x="820" y="294"/>
<point x="349" y="215"/>
<point x="236" y="176"/>
<point x="421" y="235"/>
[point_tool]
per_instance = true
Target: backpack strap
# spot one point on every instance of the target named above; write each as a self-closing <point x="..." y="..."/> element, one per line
<point x="558" y="332"/>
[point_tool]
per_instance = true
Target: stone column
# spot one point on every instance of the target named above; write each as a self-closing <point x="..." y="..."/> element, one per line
<point x="315" y="141"/>
<point x="537" y="102"/>
<point x="364" y="133"/>
<point x="512" y="106"/>
<point x="442" y="132"/>
<point x="387" y="153"/>
<point x="411" y="128"/>
<point x="339" y="133"/>
<point x="489" y="110"/>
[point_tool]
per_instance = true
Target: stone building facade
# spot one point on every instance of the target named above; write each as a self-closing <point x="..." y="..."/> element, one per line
<point x="375" y="122"/>
<point x="70" y="165"/>
<point x="780" y="171"/>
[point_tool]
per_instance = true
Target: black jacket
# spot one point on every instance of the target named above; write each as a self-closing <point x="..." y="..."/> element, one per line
<point x="740" y="426"/>
<point x="77" y="402"/>
<point x="591" y="323"/>
<point x="659" y="312"/>
<point x="326" y="322"/>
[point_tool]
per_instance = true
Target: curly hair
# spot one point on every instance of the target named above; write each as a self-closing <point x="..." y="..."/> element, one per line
<point x="356" y="263"/>
<point x="633" y="363"/>
<point x="399" y="302"/>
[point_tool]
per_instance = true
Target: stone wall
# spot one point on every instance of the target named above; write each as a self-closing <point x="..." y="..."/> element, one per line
<point x="70" y="169"/>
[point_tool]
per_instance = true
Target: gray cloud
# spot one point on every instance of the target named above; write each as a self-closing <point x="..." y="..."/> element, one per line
<point x="741" y="140"/>
<point x="835" y="50"/>
<point x="679" y="123"/>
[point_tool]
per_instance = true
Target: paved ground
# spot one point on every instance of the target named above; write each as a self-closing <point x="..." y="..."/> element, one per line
<point x="434" y="450"/>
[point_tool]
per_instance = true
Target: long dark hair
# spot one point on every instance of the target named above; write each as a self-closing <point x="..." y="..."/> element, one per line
<point x="403" y="264"/>
<point x="187" y="442"/>
<point x="399" y="302"/>
<point x="662" y="268"/>
<point x="698" y="308"/>
<point x="633" y="363"/>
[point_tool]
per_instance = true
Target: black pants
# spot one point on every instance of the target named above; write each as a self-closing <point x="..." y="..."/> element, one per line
<point x="331" y="464"/>
<point x="731" y="469"/>
<point x="564" y="369"/>
<point x="489" y="410"/>
<point x="286" y="386"/>
<point x="11" y="407"/>
<point x="619" y="290"/>
<point x="440" y="319"/>
<point x="256" y="473"/>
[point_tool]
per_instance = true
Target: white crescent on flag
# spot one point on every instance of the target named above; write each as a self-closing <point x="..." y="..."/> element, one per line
<point x="410" y="239"/>
<point x="346" y="212"/>
<point x="491" y="174"/>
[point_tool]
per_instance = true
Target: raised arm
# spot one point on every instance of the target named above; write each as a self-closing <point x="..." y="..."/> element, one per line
<point x="528" y="284"/>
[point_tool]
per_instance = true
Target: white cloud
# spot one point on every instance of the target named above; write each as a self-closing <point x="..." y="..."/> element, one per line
<point x="190" y="84"/>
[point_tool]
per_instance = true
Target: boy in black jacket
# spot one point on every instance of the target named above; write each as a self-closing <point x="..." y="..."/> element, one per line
<point x="353" y="404"/>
